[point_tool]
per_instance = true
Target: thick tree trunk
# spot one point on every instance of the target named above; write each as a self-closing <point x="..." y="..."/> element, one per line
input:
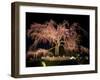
<point x="57" y="50"/>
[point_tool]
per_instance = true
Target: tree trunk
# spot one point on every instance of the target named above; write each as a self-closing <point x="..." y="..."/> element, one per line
<point x="56" y="50"/>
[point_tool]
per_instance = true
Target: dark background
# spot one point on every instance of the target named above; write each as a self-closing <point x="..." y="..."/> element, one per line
<point x="83" y="20"/>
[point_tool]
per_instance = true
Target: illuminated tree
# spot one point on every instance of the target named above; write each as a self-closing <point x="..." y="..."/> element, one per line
<point x="62" y="33"/>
